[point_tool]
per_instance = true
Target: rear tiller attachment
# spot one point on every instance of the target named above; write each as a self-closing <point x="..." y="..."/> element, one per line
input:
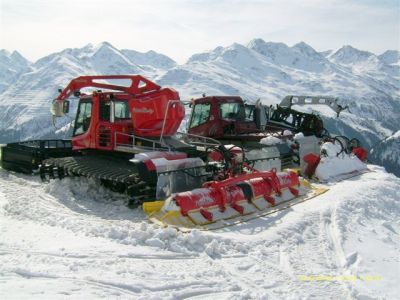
<point x="222" y="203"/>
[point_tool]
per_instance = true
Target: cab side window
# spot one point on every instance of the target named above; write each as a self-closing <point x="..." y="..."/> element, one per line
<point x="121" y="110"/>
<point x="201" y="114"/>
<point x="232" y="111"/>
<point x="249" y="111"/>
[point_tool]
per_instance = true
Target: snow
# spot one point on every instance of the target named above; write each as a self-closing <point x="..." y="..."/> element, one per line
<point x="150" y="58"/>
<point x="387" y="152"/>
<point x="74" y="239"/>
<point x="334" y="164"/>
<point x="390" y="57"/>
<point x="271" y="140"/>
<point x="70" y="239"/>
<point x="287" y="133"/>
<point x="298" y="136"/>
<point x="321" y="110"/>
<point x="396" y="135"/>
<point x="349" y="55"/>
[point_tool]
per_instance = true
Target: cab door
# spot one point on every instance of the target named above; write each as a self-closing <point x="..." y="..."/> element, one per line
<point x="104" y="132"/>
<point x="81" y="136"/>
<point x="201" y="120"/>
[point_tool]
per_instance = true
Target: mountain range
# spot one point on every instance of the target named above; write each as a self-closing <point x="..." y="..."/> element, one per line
<point x="368" y="83"/>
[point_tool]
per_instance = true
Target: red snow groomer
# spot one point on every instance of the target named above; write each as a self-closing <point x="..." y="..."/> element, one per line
<point x="130" y="115"/>
<point x="125" y="136"/>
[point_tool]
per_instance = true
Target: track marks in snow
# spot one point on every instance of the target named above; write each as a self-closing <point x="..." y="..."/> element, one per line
<point x="74" y="234"/>
<point x="78" y="206"/>
<point x="330" y="239"/>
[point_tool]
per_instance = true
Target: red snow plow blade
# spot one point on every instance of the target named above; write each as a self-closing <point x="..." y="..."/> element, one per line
<point x="237" y="199"/>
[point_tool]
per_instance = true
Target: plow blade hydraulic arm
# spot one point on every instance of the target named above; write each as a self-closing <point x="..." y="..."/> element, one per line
<point x="139" y="85"/>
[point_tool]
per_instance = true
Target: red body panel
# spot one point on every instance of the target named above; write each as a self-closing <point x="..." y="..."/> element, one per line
<point x="154" y="111"/>
<point x="229" y="192"/>
<point x="312" y="161"/>
<point x="361" y="153"/>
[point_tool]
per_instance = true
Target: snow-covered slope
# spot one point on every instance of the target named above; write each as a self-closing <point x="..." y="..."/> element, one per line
<point x="369" y="84"/>
<point x="69" y="239"/>
<point x="387" y="153"/>
<point x="11" y="66"/>
<point x="267" y="70"/>
<point x="24" y="105"/>
<point x="390" y="57"/>
<point x="150" y="58"/>
<point x="363" y="63"/>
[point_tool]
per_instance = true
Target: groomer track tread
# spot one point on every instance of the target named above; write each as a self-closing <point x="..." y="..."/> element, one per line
<point x="94" y="167"/>
<point x="118" y="172"/>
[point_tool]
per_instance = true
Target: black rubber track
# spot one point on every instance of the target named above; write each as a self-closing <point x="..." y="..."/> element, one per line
<point x="118" y="174"/>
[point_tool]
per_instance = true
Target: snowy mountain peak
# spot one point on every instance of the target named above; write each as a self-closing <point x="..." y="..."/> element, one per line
<point x="106" y="44"/>
<point x="390" y="57"/>
<point x="300" y="56"/>
<point x="234" y="48"/>
<point x="269" y="49"/>
<point x="89" y="45"/>
<point x="350" y="55"/>
<point x="12" y="63"/>
<point x="223" y="53"/>
<point x="256" y="43"/>
<point x="106" y="59"/>
<point x="261" y="44"/>
<point x="18" y="58"/>
<point x="5" y="53"/>
<point x="236" y="55"/>
<point x="14" y="58"/>
<point x="11" y="66"/>
<point x="306" y="50"/>
<point x="206" y="56"/>
<point x="149" y="58"/>
<point x="103" y="46"/>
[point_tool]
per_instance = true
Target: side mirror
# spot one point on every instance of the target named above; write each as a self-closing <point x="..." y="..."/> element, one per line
<point x="58" y="108"/>
<point x="66" y="107"/>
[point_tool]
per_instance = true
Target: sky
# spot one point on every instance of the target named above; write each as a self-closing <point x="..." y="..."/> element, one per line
<point x="180" y="28"/>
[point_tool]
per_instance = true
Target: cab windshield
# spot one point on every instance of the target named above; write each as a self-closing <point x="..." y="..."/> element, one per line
<point x="83" y="117"/>
<point x="232" y="111"/>
<point x="200" y="115"/>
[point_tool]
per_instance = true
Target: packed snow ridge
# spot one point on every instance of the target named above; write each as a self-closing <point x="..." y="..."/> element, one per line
<point x="71" y="239"/>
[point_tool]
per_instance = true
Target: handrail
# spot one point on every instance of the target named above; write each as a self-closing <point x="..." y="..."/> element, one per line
<point x="162" y="145"/>
<point x="135" y="138"/>
<point x="207" y="141"/>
